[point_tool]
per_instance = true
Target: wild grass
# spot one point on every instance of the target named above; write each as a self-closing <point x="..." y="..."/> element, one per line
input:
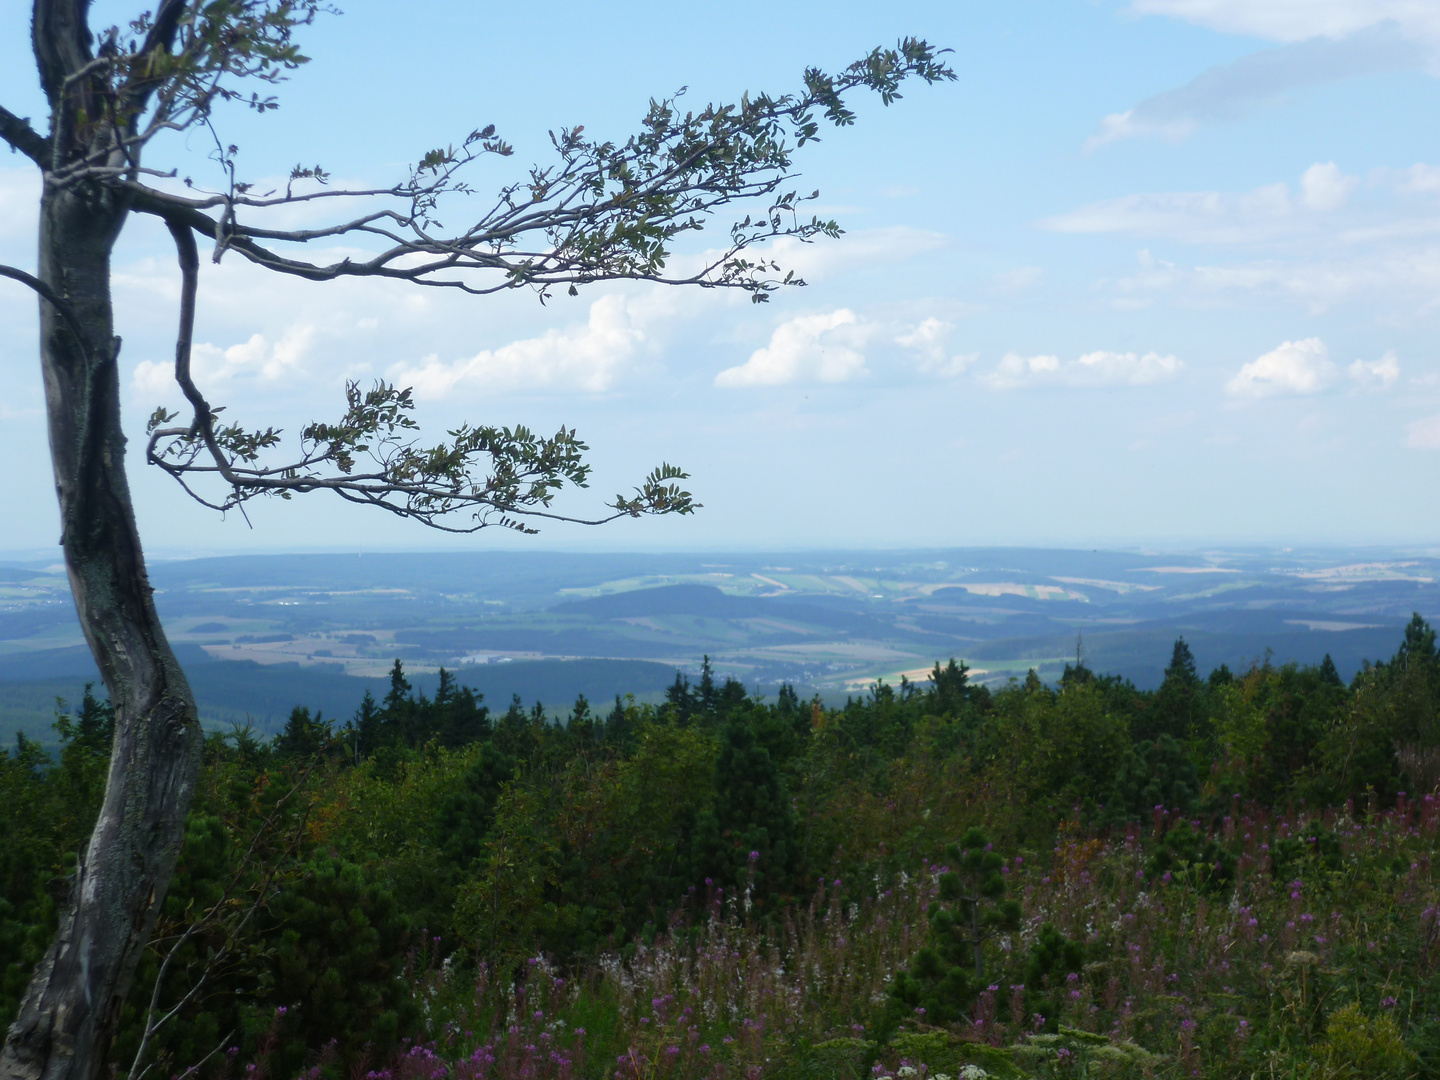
<point x="1294" y="944"/>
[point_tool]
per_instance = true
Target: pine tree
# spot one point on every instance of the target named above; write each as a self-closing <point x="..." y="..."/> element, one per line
<point x="949" y="969"/>
<point x="751" y="829"/>
<point x="366" y="729"/>
<point x="303" y="735"/>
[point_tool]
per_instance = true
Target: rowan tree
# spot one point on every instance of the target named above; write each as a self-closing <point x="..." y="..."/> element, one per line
<point x="598" y="211"/>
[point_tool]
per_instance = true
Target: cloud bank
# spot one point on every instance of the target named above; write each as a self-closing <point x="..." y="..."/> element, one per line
<point x="1091" y="371"/>
<point x="1216" y="217"/>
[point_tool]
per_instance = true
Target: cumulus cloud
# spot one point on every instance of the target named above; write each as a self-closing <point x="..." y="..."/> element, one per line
<point x="1124" y="369"/>
<point x="1379" y="374"/>
<point x="1367" y="46"/>
<point x="1215" y="217"/>
<point x="1325" y="187"/>
<point x="586" y="358"/>
<point x="1095" y="369"/>
<point x="807" y="348"/>
<point x="930" y="339"/>
<point x="257" y="359"/>
<point x="1015" y="371"/>
<point x="1294" y="368"/>
<point x="1424" y="434"/>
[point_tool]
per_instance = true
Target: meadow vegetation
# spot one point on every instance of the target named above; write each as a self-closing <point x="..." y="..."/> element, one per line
<point x="1229" y="876"/>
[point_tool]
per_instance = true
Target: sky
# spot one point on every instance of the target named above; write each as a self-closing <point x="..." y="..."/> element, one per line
<point x="1156" y="272"/>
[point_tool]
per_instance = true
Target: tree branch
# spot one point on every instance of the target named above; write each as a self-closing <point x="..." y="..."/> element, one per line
<point x="61" y="39"/>
<point x="605" y="212"/>
<point x="429" y="485"/>
<point x="53" y="298"/>
<point x="22" y="137"/>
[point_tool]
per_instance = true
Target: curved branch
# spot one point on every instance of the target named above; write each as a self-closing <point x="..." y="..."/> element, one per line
<point x="54" y="299"/>
<point x="604" y="212"/>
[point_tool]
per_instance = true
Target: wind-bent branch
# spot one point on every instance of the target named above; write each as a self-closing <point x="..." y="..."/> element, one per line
<point x="605" y="212"/>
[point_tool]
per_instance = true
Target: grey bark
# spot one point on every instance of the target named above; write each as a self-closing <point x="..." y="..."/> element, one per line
<point x="69" y="1013"/>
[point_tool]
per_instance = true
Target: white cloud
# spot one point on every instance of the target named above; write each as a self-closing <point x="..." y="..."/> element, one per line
<point x="807" y="348"/>
<point x="1022" y="277"/>
<point x="1379" y="374"/>
<point x="1094" y="369"/>
<point x="1298" y="20"/>
<point x="211" y="366"/>
<point x="586" y="358"/>
<point x="1215" y="217"/>
<point x="1141" y="121"/>
<point x="1424" y="434"/>
<point x="1231" y="90"/>
<point x="1325" y="187"/>
<point x="1409" y="278"/>
<point x="1419" y="179"/>
<point x="1124" y="369"/>
<point x="1296" y="367"/>
<point x="1194" y="216"/>
<point x="1015" y="371"/>
<point x="929" y="339"/>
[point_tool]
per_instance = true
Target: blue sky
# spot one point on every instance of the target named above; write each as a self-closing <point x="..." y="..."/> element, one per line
<point x="1163" y="272"/>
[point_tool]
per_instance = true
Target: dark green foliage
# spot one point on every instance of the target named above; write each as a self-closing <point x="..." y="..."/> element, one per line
<point x="748" y="839"/>
<point x="1196" y="860"/>
<point x="338" y="959"/>
<point x="304" y="735"/>
<point x="1177" y="706"/>
<point x="1153" y="774"/>
<point x="1053" y="957"/>
<point x="46" y="813"/>
<point x="952" y="694"/>
<point x="529" y="835"/>
<point x="1315" y="851"/>
<point x="466" y="813"/>
<point x="948" y="972"/>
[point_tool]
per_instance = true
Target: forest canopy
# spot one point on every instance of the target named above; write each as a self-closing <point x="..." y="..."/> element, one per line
<point x="1188" y="879"/>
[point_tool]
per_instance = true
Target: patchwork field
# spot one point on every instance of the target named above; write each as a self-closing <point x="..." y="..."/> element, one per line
<point x="324" y="628"/>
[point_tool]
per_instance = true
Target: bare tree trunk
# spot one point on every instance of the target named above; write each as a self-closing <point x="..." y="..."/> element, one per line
<point x="68" y="1016"/>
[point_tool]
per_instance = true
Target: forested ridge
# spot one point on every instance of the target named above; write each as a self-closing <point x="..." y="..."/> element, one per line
<point x="1230" y="875"/>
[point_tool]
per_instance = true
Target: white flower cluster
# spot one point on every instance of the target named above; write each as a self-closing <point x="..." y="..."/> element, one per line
<point x="968" y="1072"/>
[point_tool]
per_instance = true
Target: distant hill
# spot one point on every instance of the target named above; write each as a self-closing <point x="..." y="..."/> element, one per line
<point x="237" y="691"/>
<point x="705" y="600"/>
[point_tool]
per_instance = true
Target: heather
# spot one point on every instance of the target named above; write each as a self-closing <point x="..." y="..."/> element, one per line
<point x="1230" y="876"/>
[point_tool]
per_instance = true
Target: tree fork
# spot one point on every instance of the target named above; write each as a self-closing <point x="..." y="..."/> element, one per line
<point x="68" y="1016"/>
